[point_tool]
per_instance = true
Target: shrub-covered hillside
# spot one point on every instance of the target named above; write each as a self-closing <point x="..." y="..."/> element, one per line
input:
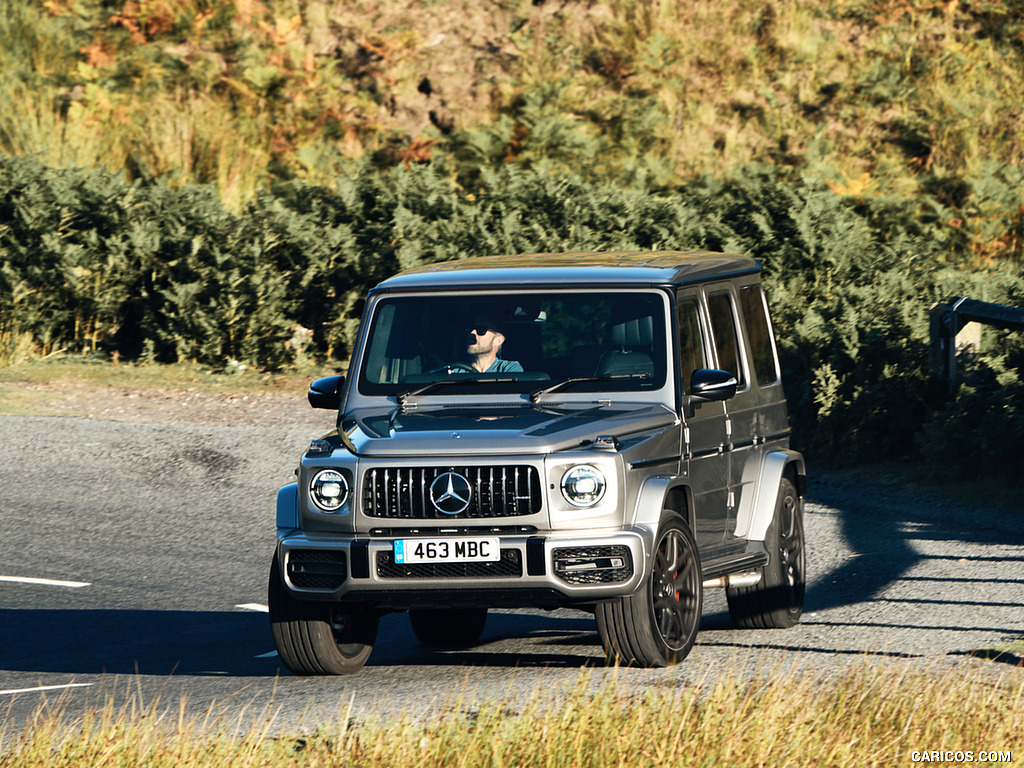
<point x="876" y="96"/>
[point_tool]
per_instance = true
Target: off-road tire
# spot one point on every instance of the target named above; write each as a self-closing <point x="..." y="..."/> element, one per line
<point x="318" y="638"/>
<point x="657" y="625"/>
<point x="448" y="627"/>
<point x="776" y="601"/>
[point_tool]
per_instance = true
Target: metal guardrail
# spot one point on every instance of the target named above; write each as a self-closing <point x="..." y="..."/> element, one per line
<point x="949" y="318"/>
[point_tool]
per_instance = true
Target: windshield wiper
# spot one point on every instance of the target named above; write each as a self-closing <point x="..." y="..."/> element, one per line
<point x="441" y="383"/>
<point x="535" y="396"/>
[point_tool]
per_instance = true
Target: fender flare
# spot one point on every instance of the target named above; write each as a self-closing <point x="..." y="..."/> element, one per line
<point x="773" y="469"/>
<point x="650" y="501"/>
<point x="288" y="506"/>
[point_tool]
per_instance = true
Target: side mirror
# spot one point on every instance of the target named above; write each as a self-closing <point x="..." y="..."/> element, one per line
<point x="710" y="384"/>
<point x="326" y="392"/>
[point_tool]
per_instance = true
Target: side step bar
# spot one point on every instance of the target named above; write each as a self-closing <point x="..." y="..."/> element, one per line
<point x="735" y="571"/>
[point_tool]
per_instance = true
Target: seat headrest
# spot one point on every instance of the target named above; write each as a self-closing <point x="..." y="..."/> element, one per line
<point x="638" y="332"/>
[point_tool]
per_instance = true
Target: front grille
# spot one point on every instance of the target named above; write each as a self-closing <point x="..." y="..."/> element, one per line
<point x="499" y="491"/>
<point x="593" y="565"/>
<point x="316" y="568"/>
<point x="510" y="566"/>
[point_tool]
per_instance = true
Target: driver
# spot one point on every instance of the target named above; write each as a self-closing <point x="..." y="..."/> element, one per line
<point x="483" y="347"/>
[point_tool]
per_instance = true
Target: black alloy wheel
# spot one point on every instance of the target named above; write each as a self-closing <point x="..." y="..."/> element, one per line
<point x="657" y="625"/>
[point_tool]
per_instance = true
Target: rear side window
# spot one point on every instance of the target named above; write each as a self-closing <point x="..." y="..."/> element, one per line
<point x="723" y="328"/>
<point x="759" y="334"/>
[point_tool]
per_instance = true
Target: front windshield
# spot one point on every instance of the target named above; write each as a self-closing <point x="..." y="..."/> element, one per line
<point x="515" y="342"/>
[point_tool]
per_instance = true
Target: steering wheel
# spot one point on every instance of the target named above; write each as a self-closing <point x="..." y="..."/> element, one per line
<point x="454" y="368"/>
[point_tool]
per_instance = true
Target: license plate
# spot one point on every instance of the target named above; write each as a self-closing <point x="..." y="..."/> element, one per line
<point x="447" y="551"/>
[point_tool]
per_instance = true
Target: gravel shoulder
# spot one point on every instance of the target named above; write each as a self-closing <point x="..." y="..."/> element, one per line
<point x="166" y="405"/>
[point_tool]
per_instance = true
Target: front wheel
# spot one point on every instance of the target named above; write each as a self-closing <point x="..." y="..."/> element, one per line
<point x="777" y="601"/>
<point x="318" y="638"/>
<point x="657" y="625"/>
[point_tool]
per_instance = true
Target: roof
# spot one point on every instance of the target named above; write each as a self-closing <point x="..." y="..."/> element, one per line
<point x="638" y="268"/>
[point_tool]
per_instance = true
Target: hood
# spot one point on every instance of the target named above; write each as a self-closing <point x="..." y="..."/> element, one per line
<point x="495" y="429"/>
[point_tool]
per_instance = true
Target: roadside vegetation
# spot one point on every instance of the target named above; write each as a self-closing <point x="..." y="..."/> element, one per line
<point x="872" y="715"/>
<point x="98" y="374"/>
<point x="217" y="183"/>
<point x="72" y="384"/>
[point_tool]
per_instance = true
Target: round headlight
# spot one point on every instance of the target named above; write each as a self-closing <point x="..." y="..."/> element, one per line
<point x="583" y="486"/>
<point x="329" y="490"/>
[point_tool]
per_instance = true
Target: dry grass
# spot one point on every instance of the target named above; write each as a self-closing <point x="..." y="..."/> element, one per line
<point x="20" y="402"/>
<point x="874" y="94"/>
<point x="33" y="387"/>
<point x="869" y="716"/>
<point x="183" y="138"/>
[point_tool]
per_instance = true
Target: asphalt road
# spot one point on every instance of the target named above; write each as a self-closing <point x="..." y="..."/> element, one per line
<point x="154" y="543"/>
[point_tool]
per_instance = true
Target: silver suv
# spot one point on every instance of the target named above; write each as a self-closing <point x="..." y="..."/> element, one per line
<point x="602" y="431"/>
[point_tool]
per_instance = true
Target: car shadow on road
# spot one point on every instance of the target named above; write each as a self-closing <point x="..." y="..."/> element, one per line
<point x="134" y="641"/>
<point x="880" y="523"/>
<point x="239" y="644"/>
<point x="510" y="639"/>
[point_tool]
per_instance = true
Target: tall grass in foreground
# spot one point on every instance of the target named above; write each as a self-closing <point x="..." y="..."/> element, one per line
<point x="866" y="717"/>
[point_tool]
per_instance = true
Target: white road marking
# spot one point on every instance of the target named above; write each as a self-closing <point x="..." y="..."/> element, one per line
<point x="253" y="607"/>
<point x="44" y="688"/>
<point x="270" y="655"/>
<point x="45" y="582"/>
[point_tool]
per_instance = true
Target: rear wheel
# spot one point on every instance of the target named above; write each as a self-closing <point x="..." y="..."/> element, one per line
<point x="448" y="627"/>
<point x="657" y="625"/>
<point x="318" y="638"/>
<point x="777" y="601"/>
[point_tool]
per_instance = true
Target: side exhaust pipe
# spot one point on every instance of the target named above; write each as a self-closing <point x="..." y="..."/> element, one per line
<point x="734" y="580"/>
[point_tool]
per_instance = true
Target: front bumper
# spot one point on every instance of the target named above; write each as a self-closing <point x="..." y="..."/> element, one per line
<point x="542" y="570"/>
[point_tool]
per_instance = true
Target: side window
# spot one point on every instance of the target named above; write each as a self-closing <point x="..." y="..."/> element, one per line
<point x="723" y="329"/>
<point x="759" y="334"/>
<point x="691" y="343"/>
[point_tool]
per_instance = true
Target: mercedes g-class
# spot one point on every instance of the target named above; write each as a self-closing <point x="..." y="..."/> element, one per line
<point x="602" y="431"/>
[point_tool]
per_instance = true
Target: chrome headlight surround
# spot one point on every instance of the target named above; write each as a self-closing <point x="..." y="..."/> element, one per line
<point x="328" y="490"/>
<point x="583" y="485"/>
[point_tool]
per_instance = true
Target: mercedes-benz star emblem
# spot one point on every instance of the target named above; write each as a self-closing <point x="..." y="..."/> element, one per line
<point x="450" y="493"/>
